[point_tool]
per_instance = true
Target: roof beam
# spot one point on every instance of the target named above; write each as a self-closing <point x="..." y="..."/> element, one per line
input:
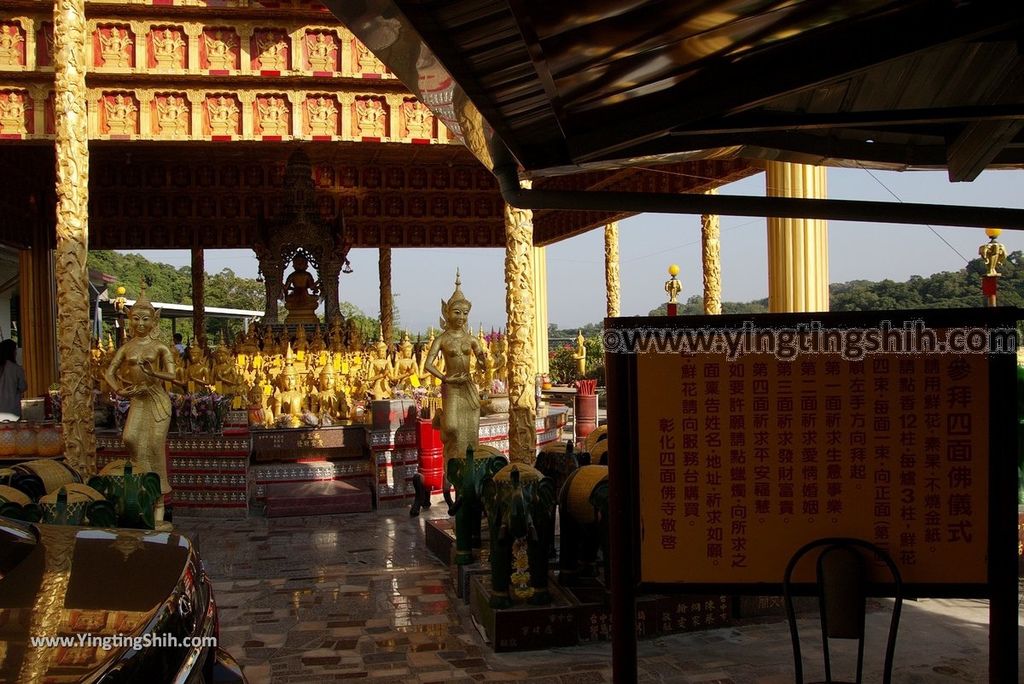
<point x="763" y="121"/>
<point x="977" y="146"/>
<point x="821" y="56"/>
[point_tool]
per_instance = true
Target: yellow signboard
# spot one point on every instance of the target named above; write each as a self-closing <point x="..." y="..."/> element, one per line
<point x="743" y="461"/>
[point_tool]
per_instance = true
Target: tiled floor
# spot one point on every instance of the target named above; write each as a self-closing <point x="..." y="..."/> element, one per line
<point x="332" y="598"/>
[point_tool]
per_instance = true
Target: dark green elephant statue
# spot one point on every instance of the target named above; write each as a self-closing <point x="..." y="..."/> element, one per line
<point x="520" y="504"/>
<point x="583" y="523"/>
<point x="133" y="495"/>
<point x="556" y="461"/>
<point x="469" y="475"/>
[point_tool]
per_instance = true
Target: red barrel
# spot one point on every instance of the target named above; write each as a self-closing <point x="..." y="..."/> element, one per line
<point x="585" y="415"/>
<point x="431" y="455"/>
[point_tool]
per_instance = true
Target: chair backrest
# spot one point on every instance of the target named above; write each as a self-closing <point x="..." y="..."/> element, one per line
<point x="842" y="589"/>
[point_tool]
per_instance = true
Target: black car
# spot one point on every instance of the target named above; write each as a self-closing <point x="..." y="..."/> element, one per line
<point x="83" y="604"/>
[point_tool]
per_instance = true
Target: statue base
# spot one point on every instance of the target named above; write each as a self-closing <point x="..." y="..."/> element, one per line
<point x="301" y="317"/>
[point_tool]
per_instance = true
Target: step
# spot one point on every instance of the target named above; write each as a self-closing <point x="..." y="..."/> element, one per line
<point x="325" y="497"/>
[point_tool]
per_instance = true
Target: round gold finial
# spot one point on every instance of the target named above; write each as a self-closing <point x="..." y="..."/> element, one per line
<point x="993" y="232"/>
<point x="121" y="290"/>
<point x="673" y="270"/>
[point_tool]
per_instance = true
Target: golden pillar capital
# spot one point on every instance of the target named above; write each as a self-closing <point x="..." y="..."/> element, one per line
<point x="72" y="273"/>
<point x="711" y="253"/>
<point x="519" y="307"/>
<point x="611" y="268"/>
<point x="797" y="248"/>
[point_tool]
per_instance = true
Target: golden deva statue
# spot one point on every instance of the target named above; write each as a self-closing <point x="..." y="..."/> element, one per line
<point x="380" y="371"/>
<point x="198" y="371"/>
<point x="407" y="370"/>
<point x="138" y="371"/>
<point x="459" y="417"/>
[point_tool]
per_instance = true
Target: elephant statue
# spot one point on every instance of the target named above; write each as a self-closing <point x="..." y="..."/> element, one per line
<point x="470" y="475"/>
<point x="520" y="504"/>
<point x="134" y="495"/>
<point x="583" y="507"/>
<point x="556" y="461"/>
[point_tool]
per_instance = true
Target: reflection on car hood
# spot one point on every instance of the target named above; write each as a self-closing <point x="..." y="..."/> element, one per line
<point x="83" y="581"/>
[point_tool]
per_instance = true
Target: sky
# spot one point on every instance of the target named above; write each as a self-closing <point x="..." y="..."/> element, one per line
<point x="649" y="243"/>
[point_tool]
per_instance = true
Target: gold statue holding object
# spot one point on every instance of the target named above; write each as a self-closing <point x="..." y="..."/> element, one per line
<point x="407" y="369"/>
<point x="672" y="286"/>
<point x="137" y="371"/>
<point x="992" y="253"/>
<point x="459" y="417"/>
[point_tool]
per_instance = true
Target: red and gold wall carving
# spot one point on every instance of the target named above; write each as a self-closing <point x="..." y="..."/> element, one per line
<point x="178" y="77"/>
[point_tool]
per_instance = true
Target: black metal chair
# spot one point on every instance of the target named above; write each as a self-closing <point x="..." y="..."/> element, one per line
<point x="842" y="588"/>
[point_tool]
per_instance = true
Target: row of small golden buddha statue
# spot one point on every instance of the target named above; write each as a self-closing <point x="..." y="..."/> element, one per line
<point x="290" y="379"/>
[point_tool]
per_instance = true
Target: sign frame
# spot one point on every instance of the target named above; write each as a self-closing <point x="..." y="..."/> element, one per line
<point x="624" y="390"/>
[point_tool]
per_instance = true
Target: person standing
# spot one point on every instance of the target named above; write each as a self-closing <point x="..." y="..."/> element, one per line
<point x="12" y="379"/>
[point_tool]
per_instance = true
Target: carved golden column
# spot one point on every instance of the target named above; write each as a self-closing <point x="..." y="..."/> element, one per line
<point x="711" y="260"/>
<point x="72" y="155"/>
<point x="797" y="248"/>
<point x="387" y="302"/>
<point x="519" y="307"/>
<point x="36" y="316"/>
<point x="199" y="295"/>
<point x="540" y="307"/>
<point x="611" y="268"/>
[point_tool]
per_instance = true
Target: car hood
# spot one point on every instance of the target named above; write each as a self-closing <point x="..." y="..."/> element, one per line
<point x="83" y="582"/>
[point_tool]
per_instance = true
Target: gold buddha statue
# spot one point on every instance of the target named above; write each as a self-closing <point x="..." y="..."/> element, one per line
<point x="329" y="404"/>
<point x="289" y="400"/>
<point x="301" y="344"/>
<point x="301" y="293"/>
<point x="459" y="417"/>
<point x="227" y="380"/>
<point x="198" y="373"/>
<point x="580" y="354"/>
<point x="317" y="344"/>
<point x="498" y="359"/>
<point x="138" y="371"/>
<point x="407" y="370"/>
<point x="379" y="371"/>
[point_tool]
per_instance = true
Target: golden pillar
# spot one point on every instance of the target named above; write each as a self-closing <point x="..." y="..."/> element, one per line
<point x="36" y="316"/>
<point x="540" y="306"/>
<point x="797" y="248"/>
<point x="711" y="253"/>
<point x="199" y="295"/>
<point x="72" y="154"/>
<point x="611" y="268"/>
<point x="387" y="301"/>
<point x="521" y="359"/>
